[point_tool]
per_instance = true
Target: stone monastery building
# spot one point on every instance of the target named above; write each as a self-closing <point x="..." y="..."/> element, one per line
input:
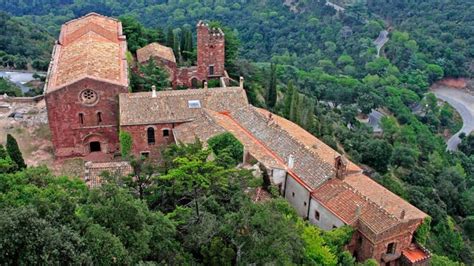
<point x="88" y="103"/>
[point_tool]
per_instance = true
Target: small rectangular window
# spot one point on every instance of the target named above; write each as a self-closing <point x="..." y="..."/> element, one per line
<point x="334" y="227"/>
<point x="145" y="154"/>
<point x="293" y="194"/>
<point x="391" y="248"/>
<point x="194" y="104"/>
<point x="166" y="132"/>
<point x="211" y="70"/>
<point x="316" y="215"/>
<point x="81" y="119"/>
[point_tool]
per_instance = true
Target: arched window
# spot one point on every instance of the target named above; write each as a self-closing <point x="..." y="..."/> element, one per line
<point x="150" y="132"/>
<point x="99" y="117"/>
<point x="81" y="118"/>
<point x="194" y="83"/>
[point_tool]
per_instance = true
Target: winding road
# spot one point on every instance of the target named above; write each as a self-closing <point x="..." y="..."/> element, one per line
<point x="463" y="102"/>
<point x="381" y="41"/>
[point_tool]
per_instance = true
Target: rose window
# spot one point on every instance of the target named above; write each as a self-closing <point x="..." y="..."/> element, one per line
<point x="89" y="96"/>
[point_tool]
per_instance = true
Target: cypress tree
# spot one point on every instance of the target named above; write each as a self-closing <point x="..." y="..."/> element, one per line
<point x="288" y="97"/>
<point x="170" y="38"/>
<point x="14" y="151"/>
<point x="294" y="110"/>
<point x="3" y="152"/>
<point x="272" y="91"/>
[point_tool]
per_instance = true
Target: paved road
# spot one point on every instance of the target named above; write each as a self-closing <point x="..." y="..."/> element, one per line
<point x="381" y="41"/>
<point x="463" y="102"/>
<point x="336" y="7"/>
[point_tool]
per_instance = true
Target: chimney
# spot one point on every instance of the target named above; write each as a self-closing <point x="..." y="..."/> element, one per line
<point x="241" y="83"/>
<point x="340" y="164"/>
<point x="358" y="211"/>
<point x="291" y="161"/>
<point x="402" y="215"/>
<point x="153" y="91"/>
<point x="205" y="85"/>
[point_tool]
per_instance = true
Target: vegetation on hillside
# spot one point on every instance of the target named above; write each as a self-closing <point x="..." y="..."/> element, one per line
<point x="325" y="74"/>
<point x="188" y="210"/>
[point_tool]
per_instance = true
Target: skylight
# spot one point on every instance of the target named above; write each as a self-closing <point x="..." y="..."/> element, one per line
<point x="194" y="104"/>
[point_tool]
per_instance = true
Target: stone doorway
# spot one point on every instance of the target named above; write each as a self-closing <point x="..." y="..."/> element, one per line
<point x="94" y="146"/>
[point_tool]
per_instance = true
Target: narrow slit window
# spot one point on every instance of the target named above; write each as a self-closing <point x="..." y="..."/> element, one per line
<point x="81" y="118"/>
<point x="316" y="215"/>
<point x="99" y="117"/>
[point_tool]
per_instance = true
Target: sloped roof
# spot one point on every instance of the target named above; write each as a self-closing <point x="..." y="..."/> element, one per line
<point x="308" y="166"/>
<point x="174" y="105"/>
<point x="350" y="205"/>
<point x="314" y="165"/>
<point x="94" y="170"/>
<point x="89" y="47"/>
<point x="213" y="123"/>
<point x="155" y="50"/>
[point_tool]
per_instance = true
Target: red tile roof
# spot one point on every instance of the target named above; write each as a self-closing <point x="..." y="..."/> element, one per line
<point x="155" y="50"/>
<point x="415" y="254"/>
<point x="89" y="47"/>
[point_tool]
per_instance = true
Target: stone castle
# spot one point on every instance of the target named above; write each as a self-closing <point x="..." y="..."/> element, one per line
<point x="88" y="103"/>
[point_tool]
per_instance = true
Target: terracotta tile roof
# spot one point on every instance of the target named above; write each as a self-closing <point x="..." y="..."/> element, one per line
<point x="314" y="163"/>
<point x="309" y="141"/>
<point x="308" y="165"/>
<point x="89" y="47"/>
<point x="416" y="254"/>
<point x="94" y="170"/>
<point x="203" y="128"/>
<point x="351" y="206"/>
<point x="155" y="50"/>
<point x="174" y="105"/>
<point x="383" y="197"/>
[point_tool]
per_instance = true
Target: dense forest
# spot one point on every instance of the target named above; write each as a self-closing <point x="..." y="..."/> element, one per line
<point x="320" y="68"/>
<point x="189" y="210"/>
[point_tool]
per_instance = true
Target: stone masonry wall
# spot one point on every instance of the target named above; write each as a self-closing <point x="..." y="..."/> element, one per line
<point x="140" y="138"/>
<point x="71" y="138"/>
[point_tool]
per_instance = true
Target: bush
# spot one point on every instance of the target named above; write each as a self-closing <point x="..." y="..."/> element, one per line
<point x="14" y="151"/>
<point x="226" y="147"/>
<point x="125" y="143"/>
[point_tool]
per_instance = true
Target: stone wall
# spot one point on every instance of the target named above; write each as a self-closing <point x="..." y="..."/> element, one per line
<point x="297" y="195"/>
<point x="70" y="137"/>
<point x="210" y="51"/>
<point x="140" y="138"/>
<point x="327" y="220"/>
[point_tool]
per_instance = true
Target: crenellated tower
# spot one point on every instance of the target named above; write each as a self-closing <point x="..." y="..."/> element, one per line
<point x="210" y="51"/>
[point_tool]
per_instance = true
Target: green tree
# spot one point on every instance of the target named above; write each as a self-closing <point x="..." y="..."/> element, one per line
<point x="226" y="144"/>
<point x="272" y="87"/>
<point x="14" y="152"/>
<point x="125" y="143"/>
<point x="149" y="75"/>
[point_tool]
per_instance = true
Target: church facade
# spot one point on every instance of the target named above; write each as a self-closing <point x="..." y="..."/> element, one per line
<point x="88" y="104"/>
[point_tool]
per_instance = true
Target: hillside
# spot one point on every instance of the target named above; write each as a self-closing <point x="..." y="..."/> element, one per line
<point x="326" y="76"/>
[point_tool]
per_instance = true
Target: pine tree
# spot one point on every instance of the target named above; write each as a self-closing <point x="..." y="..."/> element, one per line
<point x="272" y="91"/>
<point x="288" y="96"/>
<point x="14" y="151"/>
